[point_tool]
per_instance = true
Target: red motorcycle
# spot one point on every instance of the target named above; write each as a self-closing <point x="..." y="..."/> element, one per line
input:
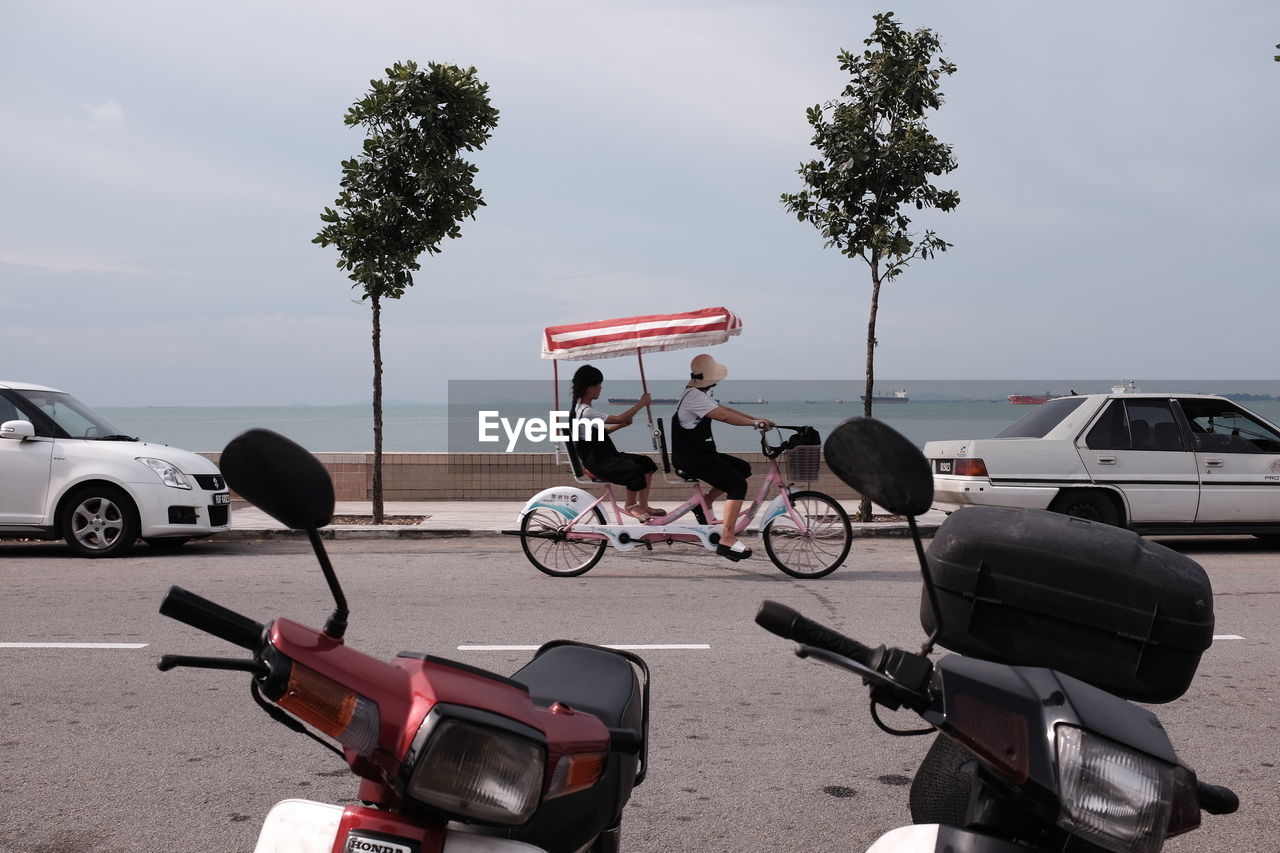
<point x="451" y="758"/>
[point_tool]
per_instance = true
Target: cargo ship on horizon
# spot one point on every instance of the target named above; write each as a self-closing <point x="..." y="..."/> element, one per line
<point x="631" y="401"/>
<point x="896" y="397"/>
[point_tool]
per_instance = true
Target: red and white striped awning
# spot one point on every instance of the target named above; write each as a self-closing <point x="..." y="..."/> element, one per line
<point x="650" y="333"/>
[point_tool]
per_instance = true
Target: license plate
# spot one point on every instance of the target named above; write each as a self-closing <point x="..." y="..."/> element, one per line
<point x="944" y="466"/>
<point x="224" y="498"/>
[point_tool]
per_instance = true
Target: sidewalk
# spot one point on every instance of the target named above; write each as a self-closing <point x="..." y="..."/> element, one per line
<point x="470" y="518"/>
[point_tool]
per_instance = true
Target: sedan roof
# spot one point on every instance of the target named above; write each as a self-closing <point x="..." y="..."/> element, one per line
<point x="26" y="386"/>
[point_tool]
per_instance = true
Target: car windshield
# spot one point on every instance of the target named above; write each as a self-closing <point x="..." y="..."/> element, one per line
<point x="1046" y="416"/>
<point x="70" y="415"/>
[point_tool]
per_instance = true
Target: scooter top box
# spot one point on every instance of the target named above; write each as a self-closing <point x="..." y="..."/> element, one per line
<point x="1034" y="588"/>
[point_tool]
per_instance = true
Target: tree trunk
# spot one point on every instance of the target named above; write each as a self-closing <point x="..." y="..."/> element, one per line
<point x="864" y="508"/>
<point x="376" y="488"/>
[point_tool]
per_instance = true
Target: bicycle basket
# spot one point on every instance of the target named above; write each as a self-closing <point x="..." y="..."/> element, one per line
<point x="804" y="463"/>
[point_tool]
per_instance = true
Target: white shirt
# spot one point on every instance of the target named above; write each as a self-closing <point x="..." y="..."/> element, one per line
<point x="584" y="412"/>
<point x="695" y="406"/>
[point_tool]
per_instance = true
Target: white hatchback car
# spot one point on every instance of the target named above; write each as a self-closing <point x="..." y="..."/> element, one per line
<point x="65" y="472"/>
<point x="1156" y="463"/>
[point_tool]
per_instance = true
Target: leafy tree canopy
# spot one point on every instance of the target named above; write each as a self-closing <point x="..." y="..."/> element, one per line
<point x="410" y="187"/>
<point x="877" y="155"/>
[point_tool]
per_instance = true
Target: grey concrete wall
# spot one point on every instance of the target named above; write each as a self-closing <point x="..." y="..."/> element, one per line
<point x="496" y="476"/>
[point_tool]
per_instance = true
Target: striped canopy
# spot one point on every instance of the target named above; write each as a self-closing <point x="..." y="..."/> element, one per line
<point x="649" y="333"/>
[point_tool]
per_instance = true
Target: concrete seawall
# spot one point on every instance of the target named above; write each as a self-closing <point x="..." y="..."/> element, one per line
<point x="498" y="476"/>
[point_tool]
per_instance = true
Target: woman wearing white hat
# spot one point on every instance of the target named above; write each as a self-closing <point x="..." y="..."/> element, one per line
<point x="694" y="449"/>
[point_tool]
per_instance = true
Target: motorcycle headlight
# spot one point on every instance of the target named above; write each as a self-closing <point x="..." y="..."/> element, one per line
<point x="166" y="471"/>
<point x="1112" y="796"/>
<point x="476" y="766"/>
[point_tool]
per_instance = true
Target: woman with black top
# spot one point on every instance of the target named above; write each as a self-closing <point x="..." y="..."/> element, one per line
<point x="599" y="456"/>
<point x="694" y="449"/>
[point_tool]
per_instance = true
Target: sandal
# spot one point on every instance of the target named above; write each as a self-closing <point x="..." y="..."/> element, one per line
<point x="656" y="512"/>
<point x="735" y="552"/>
<point x="637" y="513"/>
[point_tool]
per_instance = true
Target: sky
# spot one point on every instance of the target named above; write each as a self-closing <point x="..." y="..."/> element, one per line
<point x="165" y="166"/>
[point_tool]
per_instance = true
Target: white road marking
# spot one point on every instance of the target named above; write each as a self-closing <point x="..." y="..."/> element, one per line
<point x="73" y="645"/>
<point x="1227" y="637"/>
<point x="637" y="647"/>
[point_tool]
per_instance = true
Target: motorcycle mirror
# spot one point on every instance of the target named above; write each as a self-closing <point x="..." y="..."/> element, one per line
<point x="280" y="477"/>
<point x="886" y="468"/>
<point x="881" y="464"/>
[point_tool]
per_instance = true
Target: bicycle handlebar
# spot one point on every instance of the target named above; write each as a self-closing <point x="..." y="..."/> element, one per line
<point x="201" y="613"/>
<point x="770" y="451"/>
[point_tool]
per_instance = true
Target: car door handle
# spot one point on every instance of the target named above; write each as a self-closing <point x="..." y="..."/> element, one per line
<point x="1213" y="463"/>
<point x="1106" y="460"/>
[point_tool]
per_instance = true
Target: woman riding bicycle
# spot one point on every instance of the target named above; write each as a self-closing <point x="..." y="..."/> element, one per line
<point x="694" y="449"/>
<point x="599" y="455"/>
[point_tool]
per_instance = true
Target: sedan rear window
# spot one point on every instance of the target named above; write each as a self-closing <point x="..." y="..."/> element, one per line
<point x="1046" y="416"/>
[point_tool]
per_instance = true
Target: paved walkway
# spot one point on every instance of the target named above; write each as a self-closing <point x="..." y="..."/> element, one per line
<point x="466" y="518"/>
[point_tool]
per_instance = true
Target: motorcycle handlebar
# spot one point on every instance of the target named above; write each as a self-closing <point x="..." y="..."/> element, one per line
<point x="787" y="623"/>
<point x="201" y="613"/>
<point x="1217" y="799"/>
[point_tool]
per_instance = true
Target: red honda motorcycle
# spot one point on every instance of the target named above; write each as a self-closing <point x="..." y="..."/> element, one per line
<point x="450" y="757"/>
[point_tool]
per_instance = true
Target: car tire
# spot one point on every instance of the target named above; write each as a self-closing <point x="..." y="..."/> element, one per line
<point x="1089" y="504"/>
<point x="99" y="521"/>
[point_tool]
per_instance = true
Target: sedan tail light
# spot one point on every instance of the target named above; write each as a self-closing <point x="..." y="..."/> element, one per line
<point x="970" y="468"/>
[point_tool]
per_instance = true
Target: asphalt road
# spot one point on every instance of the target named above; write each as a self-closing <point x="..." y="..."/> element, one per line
<point x="752" y="748"/>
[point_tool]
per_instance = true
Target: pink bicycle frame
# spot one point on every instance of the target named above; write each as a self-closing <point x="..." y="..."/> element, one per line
<point x="697" y="500"/>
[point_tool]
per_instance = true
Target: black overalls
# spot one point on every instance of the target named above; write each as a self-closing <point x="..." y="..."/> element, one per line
<point x="695" y="455"/>
<point x="606" y="462"/>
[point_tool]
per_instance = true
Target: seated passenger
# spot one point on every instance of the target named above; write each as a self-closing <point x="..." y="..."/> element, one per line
<point x="694" y="449"/>
<point x="599" y="456"/>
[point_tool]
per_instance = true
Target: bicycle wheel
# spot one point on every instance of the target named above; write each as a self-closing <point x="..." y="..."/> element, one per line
<point x="554" y="552"/>
<point x="816" y="551"/>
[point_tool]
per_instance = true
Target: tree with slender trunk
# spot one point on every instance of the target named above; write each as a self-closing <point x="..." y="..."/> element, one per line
<point x="407" y="190"/>
<point x="876" y="159"/>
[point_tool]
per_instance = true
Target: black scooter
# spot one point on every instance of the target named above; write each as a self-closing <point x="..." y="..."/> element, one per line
<point x="1032" y="755"/>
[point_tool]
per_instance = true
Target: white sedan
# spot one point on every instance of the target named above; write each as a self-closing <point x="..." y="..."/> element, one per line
<point x="1156" y="463"/>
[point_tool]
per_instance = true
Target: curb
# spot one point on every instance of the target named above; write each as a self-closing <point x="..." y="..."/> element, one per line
<point x="353" y="532"/>
<point x="896" y="530"/>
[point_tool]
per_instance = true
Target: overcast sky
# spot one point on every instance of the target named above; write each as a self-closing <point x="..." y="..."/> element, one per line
<point x="165" y="164"/>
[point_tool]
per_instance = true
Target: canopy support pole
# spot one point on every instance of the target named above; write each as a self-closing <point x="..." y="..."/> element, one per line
<point x="555" y="395"/>
<point x="644" y="387"/>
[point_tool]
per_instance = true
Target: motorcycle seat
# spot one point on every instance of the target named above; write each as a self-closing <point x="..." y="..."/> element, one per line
<point x="587" y="679"/>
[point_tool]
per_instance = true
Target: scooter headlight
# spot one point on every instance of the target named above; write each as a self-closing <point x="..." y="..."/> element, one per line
<point x="1112" y="796"/>
<point x="476" y="766"/>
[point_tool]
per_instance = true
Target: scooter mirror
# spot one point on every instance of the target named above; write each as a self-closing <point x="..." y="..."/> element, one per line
<point x="280" y="477"/>
<point x="881" y="464"/>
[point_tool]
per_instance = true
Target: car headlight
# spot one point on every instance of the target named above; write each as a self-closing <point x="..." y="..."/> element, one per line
<point x="167" y="472"/>
<point x="476" y="766"/>
<point x="1112" y="796"/>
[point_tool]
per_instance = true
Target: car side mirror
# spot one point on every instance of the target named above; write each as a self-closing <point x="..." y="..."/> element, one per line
<point x="19" y="430"/>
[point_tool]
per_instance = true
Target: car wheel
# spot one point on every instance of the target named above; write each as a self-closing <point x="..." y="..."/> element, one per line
<point x="100" y="521"/>
<point x="1087" y="504"/>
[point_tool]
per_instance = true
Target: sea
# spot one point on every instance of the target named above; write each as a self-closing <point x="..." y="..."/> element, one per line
<point x="456" y="426"/>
